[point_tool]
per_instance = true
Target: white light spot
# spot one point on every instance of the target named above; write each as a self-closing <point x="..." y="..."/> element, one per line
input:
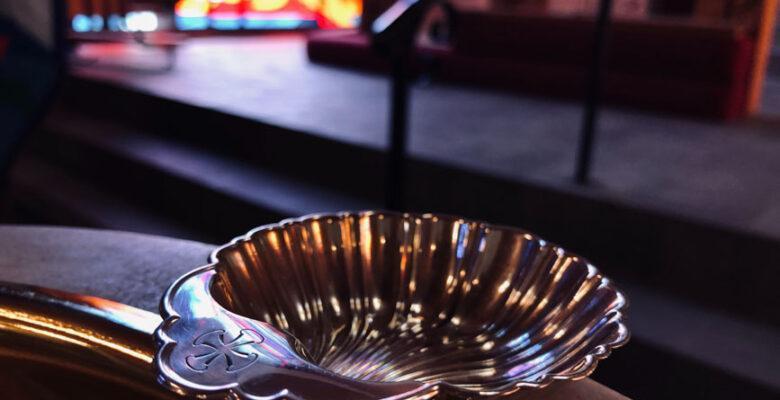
<point x="141" y="21"/>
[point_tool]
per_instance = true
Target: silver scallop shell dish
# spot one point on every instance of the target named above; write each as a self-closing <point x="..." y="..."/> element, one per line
<point x="379" y="305"/>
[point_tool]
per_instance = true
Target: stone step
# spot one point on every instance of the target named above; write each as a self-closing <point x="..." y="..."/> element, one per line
<point x="213" y="193"/>
<point x="44" y="193"/>
<point x="711" y="263"/>
<point x="682" y="350"/>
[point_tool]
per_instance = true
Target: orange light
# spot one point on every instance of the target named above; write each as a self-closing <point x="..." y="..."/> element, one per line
<point x="267" y="5"/>
<point x="342" y="13"/>
<point x="192" y="8"/>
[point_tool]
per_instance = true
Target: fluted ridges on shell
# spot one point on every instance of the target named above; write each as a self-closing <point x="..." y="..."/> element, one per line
<point x="391" y="297"/>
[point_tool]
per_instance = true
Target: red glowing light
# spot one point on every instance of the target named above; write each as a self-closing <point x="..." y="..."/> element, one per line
<point x="250" y="14"/>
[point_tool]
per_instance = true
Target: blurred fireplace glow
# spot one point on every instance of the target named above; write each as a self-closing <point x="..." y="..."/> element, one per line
<point x="267" y="14"/>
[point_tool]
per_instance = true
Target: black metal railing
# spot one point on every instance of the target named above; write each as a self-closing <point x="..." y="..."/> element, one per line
<point x="592" y="103"/>
<point x="393" y="35"/>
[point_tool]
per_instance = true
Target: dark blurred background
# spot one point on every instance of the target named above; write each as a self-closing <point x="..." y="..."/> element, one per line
<point x="643" y="134"/>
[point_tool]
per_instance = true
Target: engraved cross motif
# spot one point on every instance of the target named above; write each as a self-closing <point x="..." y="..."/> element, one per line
<point x="213" y="347"/>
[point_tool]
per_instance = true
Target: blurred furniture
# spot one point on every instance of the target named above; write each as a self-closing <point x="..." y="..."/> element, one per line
<point x="689" y="66"/>
<point x="136" y="269"/>
<point x="168" y="42"/>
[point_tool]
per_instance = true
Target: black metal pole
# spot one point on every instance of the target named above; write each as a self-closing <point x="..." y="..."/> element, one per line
<point x="593" y="93"/>
<point x="394" y="188"/>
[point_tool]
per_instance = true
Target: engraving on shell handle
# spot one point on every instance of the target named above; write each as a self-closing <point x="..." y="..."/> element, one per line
<point x="204" y="349"/>
<point x="211" y="348"/>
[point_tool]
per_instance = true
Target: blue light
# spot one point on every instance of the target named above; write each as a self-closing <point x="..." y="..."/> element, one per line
<point x="226" y="23"/>
<point x="81" y="23"/>
<point x="275" y="23"/>
<point x="192" y="23"/>
<point x="223" y="23"/>
<point x="97" y="23"/>
<point x="116" y="23"/>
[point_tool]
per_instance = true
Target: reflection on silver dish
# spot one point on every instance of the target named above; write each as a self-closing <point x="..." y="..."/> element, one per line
<point x="56" y="346"/>
<point x="377" y="305"/>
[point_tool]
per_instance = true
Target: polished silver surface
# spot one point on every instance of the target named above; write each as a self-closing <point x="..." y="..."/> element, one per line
<point x="378" y="305"/>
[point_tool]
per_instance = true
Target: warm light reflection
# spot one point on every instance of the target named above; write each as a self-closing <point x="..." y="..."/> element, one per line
<point x="334" y="302"/>
<point x="192" y="8"/>
<point x="504" y="286"/>
<point x="267" y="5"/>
<point x="57" y="330"/>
